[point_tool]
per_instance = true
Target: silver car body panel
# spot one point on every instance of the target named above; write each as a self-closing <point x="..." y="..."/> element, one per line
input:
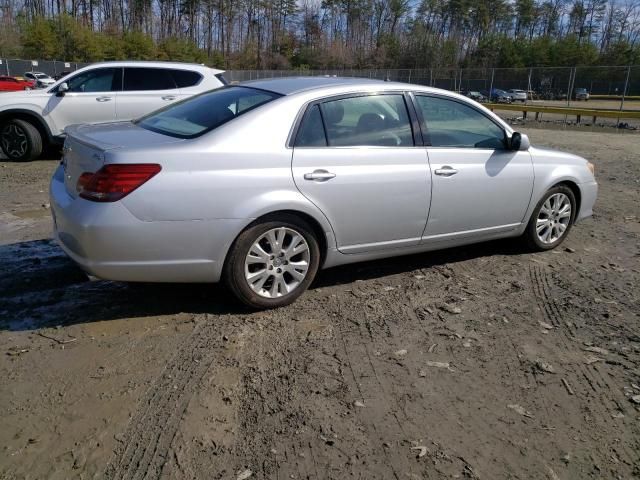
<point x="383" y="201"/>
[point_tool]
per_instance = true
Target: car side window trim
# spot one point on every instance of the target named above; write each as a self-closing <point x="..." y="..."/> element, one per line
<point x="291" y="141"/>
<point x="418" y="135"/>
<point x="422" y="121"/>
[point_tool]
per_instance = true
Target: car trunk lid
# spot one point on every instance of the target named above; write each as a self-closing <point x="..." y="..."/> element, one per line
<point x="86" y="147"/>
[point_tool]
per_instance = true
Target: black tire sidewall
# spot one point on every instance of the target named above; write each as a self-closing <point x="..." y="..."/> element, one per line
<point x="34" y="142"/>
<point x="234" y="268"/>
<point x="531" y="235"/>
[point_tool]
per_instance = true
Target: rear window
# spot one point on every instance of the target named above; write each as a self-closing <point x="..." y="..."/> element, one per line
<point x="186" y="78"/>
<point x="201" y="114"/>
<point x="223" y="80"/>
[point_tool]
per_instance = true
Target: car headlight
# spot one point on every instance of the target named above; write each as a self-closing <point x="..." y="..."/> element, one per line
<point x="592" y="168"/>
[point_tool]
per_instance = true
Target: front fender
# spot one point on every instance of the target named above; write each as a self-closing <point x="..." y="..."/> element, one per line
<point x="563" y="174"/>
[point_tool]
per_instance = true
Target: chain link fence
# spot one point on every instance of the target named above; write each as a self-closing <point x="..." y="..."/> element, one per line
<point x="541" y="83"/>
<point x="609" y="88"/>
<point x="16" y="67"/>
<point x="544" y="85"/>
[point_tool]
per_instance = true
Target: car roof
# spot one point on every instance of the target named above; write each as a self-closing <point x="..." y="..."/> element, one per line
<point x="292" y="85"/>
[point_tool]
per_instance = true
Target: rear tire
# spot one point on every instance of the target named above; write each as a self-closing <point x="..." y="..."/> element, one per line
<point x="20" y="140"/>
<point x="551" y="220"/>
<point x="272" y="263"/>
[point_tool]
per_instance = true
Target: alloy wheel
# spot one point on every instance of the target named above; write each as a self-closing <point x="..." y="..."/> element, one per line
<point x="277" y="262"/>
<point x="553" y="218"/>
<point x="14" y="140"/>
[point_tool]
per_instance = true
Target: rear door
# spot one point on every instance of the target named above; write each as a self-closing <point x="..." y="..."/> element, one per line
<point x="145" y="89"/>
<point x="480" y="186"/>
<point x="365" y="173"/>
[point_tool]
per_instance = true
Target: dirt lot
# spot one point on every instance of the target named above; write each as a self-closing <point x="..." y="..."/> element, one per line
<point x="480" y="362"/>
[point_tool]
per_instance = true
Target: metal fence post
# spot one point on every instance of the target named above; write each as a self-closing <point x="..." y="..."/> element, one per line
<point x="431" y="77"/>
<point x="528" y="85"/>
<point x="626" y="85"/>
<point x="572" y="81"/>
<point x="493" y="71"/>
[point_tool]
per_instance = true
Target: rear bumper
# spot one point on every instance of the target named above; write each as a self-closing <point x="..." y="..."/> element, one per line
<point x="588" y="195"/>
<point x="108" y="242"/>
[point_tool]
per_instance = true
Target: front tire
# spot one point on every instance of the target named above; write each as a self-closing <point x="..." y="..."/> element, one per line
<point x="552" y="219"/>
<point x="272" y="263"/>
<point x="20" y="140"/>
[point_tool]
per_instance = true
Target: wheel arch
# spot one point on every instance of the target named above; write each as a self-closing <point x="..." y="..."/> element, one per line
<point x="31" y="117"/>
<point x="316" y="225"/>
<point x="573" y="186"/>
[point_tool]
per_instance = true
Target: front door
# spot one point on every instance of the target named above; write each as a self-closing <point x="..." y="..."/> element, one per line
<point x="355" y="159"/>
<point x="480" y="186"/>
<point x="91" y="98"/>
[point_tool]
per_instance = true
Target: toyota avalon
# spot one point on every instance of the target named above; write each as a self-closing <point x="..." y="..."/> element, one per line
<point x="261" y="184"/>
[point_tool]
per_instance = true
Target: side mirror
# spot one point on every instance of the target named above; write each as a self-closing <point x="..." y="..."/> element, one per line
<point x="520" y="141"/>
<point x="62" y="88"/>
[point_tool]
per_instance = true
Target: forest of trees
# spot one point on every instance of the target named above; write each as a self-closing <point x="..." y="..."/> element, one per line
<point x="308" y="34"/>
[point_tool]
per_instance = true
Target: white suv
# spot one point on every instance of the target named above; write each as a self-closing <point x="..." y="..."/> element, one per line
<point x="102" y="92"/>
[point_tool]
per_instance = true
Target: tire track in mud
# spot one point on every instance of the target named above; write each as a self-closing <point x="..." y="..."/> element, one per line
<point x="147" y="440"/>
<point x="355" y="343"/>
<point x="599" y="386"/>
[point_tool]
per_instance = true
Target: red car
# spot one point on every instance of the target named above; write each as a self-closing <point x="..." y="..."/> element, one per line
<point x="10" y="84"/>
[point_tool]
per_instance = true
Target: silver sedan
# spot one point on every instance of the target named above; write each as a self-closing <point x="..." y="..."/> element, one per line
<point x="263" y="183"/>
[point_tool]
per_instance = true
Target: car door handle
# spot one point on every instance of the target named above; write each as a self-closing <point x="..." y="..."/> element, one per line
<point x="319" y="175"/>
<point x="446" y="171"/>
<point x="103" y="99"/>
<point x="169" y="97"/>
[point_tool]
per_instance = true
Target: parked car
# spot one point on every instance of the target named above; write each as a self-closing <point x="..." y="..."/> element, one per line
<point x="41" y="80"/>
<point x="500" y="96"/>
<point x="581" y="94"/>
<point x="261" y="184"/>
<point x="11" y="84"/>
<point x="518" y="95"/>
<point x="477" y="96"/>
<point x="103" y="92"/>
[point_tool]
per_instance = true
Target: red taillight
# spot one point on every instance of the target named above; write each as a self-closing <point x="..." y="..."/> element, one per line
<point x="83" y="180"/>
<point x="115" y="181"/>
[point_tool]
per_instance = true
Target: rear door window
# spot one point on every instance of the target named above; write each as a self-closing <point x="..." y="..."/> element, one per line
<point x="311" y="131"/>
<point x="371" y="120"/>
<point x="148" y="79"/>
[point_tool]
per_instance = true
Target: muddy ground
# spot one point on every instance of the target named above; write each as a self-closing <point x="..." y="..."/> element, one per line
<point x="481" y="362"/>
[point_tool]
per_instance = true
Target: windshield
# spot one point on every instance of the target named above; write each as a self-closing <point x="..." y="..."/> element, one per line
<point x="41" y="75"/>
<point x="201" y="114"/>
